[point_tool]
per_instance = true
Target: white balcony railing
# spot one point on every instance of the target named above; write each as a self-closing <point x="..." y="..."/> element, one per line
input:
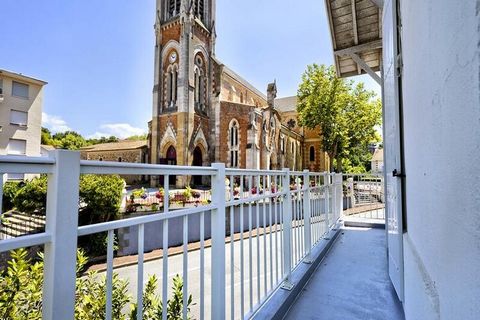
<point x="258" y="227"/>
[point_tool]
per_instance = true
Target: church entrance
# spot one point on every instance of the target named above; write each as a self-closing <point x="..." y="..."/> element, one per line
<point x="197" y="162"/>
<point x="170" y="159"/>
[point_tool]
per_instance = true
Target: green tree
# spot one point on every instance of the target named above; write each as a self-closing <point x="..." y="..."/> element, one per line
<point x="102" y="140"/>
<point x="137" y="137"/>
<point x="69" y="140"/>
<point x="346" y="115"/>
<point x="46" y="137"/>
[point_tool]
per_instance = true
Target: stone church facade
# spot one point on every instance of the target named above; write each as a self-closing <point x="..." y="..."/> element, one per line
<point x="203" y="112"/>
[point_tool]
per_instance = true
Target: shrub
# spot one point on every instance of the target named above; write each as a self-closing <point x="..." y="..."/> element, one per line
<point x="100" y="197"/>
<point x="152" y="304"/>
<point x="21" y="293"/>
<point x="32" y="197"/>
<point x="10" y="189"/>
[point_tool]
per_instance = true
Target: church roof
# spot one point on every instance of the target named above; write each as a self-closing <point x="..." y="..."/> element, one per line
<point x="286" y="104"/>
<point x="120" y="145"/>
<point x="241" y="80"/>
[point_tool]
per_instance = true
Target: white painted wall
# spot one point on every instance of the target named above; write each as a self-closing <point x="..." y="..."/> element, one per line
<point x="441" y="92"/>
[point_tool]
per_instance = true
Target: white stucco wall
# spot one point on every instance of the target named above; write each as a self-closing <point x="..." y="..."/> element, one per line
<point x="441" y="97"/>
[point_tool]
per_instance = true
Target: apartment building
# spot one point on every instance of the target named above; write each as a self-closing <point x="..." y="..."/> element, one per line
<point x="21" y="100"/>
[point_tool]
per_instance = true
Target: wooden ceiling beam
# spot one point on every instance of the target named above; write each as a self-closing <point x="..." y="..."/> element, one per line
<point x="360" y="48"/>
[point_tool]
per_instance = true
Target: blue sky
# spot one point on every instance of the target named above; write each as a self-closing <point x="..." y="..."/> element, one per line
<point x="97" y="56"/>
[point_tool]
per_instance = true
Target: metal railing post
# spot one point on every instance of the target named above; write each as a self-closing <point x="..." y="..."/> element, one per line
<point x="1" y="195"/>
<point x="327" y="201"/>
<point x="287" y="231"/>
<point x="339" y="195"/>
<point x="61" y="224"/>
<point x="218" y="242"/>
<point x="1" y="206"/>
<point x="307" y="216"/>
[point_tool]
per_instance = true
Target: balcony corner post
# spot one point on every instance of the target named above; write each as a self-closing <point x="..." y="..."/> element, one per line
<point x="287" y="231"/>
<point x="62" y="224"/>
<point x="307" y="214"/>
<point x="218" y="242"/>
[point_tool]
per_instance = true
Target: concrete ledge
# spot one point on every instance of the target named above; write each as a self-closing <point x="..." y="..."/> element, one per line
<point x="277" y="306"/>
<point x="364" y="224"/>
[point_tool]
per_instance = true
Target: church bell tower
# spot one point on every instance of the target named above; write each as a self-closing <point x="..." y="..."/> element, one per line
<point x="183" y="82"/>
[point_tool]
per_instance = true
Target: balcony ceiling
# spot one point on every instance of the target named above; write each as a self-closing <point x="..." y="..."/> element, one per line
<point x="356" y="31"/>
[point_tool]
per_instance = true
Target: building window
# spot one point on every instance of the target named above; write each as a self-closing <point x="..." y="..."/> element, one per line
<point x="200" y="83"/>
<point x="19" y="90"/>
<point x="173" y="7"/>
<point x="1" y="86"/>
<point x="292" y="147"/>
<point x="200" y="9"/>
<point x="233" y="144"/>
<point x="282" y="144"/>
<point x="171" y="80"/>
<point x="19" y="118"/>
<point x="17" y="147"/>
<point x="241" y="97"/>
<point x="100" y="159"/>
<point x="312" y="153"/>
<point x="119" y="159"/>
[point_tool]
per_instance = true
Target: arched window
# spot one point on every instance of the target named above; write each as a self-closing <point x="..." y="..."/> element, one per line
<point x="233" y="144"/>
<point x="171" y="80"/>
<point x="200" y="9"/>
<point x="312" y="154"/>
<point x="200" y="83"/>
<point x="119" y="159"/>
<point x="173" y="7"/>
<point x="100" y="159"/>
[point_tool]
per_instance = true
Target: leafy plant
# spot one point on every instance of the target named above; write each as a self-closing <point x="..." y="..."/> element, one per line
<point x="32" y="196"/>
<point x="10" y="189"/>
<point x="138" y="193"/>
<point x="152" y="304"/>
<point x="21" y="293"/>
<point x="100" y="197"/>
<point x="187" y="193"/>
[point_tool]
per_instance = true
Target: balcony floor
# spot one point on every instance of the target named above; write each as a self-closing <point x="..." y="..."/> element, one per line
<point x="351" y="282"/>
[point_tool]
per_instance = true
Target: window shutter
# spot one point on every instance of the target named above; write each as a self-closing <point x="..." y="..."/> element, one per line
<point x="18" y="117"/>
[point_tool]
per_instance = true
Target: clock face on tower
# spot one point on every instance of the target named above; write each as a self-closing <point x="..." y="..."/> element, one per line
<point x="173" y="57"/>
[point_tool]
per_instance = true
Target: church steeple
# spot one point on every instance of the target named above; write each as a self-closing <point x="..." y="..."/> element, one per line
<point x="184" y="49"/>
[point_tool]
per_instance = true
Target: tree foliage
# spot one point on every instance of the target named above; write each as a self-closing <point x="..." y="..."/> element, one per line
<point x="137" y="137"/>
<point x="346" y="115"/>
<point x="71" y="140"/>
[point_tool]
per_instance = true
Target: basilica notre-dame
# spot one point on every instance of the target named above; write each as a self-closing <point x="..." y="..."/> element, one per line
<point x="203" y="112"/>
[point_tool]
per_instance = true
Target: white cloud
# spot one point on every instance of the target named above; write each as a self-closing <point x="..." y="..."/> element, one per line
<point x="54" y="123"/>
<point x="120" y="130"/>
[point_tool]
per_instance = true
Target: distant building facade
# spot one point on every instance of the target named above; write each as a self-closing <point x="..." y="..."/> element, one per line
<point x="21" y="102"/>
<point x="121" y="151"/>
<point x="203" y="112"/>
<point x="377" y="161"/>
